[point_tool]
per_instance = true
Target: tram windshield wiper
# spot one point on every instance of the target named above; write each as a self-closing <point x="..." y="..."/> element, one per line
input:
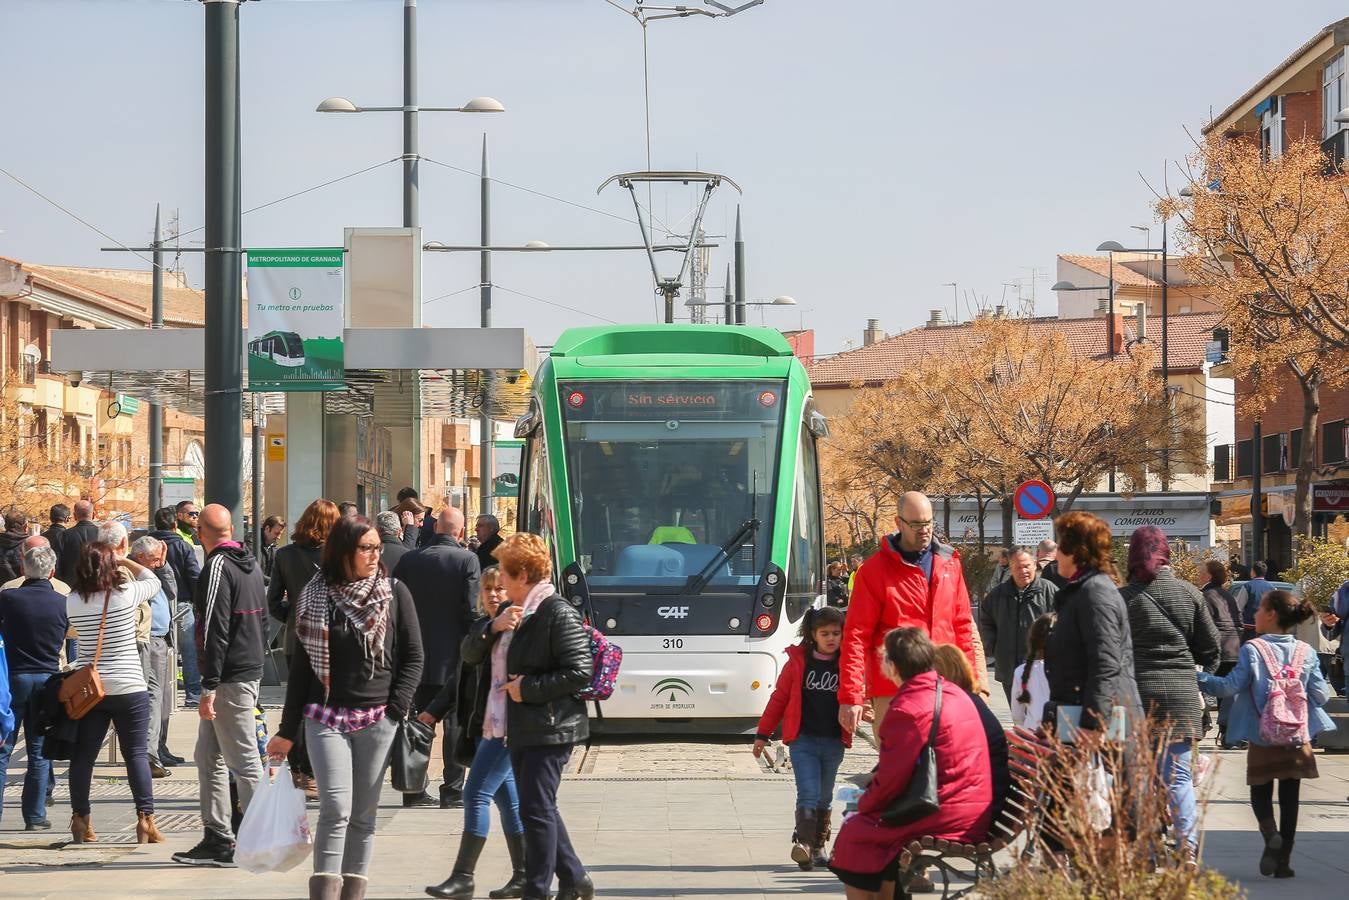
<point x="745" y="532"/>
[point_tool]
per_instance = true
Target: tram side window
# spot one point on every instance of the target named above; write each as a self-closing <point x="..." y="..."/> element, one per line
<point x="537" y="518"/>
<point x="803" y="560"/>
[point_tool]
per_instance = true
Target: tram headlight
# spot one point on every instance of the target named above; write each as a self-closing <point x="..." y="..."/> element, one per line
<point x="766" y="601"/>
<point x="734" y="624"/>
<point x="764" y="622"/>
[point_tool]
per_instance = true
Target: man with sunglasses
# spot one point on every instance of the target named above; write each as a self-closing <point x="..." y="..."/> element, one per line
<point x="187" y="514"/>
<point x="913" y="580"/>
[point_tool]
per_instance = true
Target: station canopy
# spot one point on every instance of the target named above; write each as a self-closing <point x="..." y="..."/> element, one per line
<point x="456" y="372"/>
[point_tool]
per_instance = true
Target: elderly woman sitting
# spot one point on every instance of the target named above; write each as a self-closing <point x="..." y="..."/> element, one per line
<point x="866" y="852"/>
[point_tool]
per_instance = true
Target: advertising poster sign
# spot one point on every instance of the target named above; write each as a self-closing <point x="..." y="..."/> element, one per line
<point x="507" y="480"/>
<point x="295" y="320"/>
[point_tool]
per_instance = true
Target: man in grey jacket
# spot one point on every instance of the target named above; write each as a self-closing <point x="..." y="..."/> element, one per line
<point x="1009" y="610"/>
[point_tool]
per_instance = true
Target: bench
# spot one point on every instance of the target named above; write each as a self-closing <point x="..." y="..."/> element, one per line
<point x="1021" y="815"/>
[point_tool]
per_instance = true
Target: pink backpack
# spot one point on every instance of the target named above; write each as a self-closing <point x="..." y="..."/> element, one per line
<point x="1283" y="721"/>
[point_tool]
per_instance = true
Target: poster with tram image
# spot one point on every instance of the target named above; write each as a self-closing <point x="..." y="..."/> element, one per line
<point x="295" y="320"/>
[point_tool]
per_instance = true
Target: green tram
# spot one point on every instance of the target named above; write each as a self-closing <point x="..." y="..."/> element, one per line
<point x="673" y="471"/>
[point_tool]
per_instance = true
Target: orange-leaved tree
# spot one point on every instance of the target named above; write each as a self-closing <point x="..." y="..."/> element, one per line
<point x="1016" y="403"/>
<point x="1270" y="238"/>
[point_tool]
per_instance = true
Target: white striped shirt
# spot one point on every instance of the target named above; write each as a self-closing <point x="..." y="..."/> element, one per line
<point x="119" y="666"/>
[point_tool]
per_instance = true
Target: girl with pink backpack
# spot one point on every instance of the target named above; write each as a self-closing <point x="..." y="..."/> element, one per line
<point x="1279" y="692"/>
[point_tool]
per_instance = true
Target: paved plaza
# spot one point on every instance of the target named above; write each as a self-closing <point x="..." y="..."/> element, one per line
<point x="651" y="819"/>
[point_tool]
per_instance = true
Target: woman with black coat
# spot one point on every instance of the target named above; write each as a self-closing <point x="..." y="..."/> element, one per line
<point x="1089" y="657"/>
<point x="1172" y="633"/>
<point x="540" y="657"/>
<point x="293" y="567"/>
<point x="358" y="661"/>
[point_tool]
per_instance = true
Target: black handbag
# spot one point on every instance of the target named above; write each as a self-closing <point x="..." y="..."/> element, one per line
<point x="411" y="756"/>
<point x="919" y="797"/>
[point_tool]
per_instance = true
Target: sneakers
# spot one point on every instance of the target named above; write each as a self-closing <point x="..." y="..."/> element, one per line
<point x="211" y="851"/>
<point x="40" y="825"/>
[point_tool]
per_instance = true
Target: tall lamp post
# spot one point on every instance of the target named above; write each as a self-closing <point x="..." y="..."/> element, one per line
<point x="411" y="211"/>
<point x="781" y="300"/>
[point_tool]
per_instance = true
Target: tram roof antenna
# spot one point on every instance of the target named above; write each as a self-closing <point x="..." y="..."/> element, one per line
<point x="669" y="287"/>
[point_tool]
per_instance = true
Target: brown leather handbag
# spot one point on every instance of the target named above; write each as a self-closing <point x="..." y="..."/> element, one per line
<point x="82" y="689"/>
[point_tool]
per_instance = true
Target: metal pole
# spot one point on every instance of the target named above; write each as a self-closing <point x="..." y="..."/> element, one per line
<point x="1110" y="332"/>
<point x="155" y="414"/>
<point x="224" y="314"/>
<point x="410" y="211"/>
<point x="728" y="299"/>
<point x="486" y="504"/>
<point x="1257" y="494"/>
<point x="1166" y="371"/>
<point x="256" y="505"/>
<point x="739" y="270"/>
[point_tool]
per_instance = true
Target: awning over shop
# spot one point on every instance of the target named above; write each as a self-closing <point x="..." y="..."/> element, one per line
<point x="458" y="372"/>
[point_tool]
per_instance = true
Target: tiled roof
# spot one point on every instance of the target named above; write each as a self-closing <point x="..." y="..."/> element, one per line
<point x="1100" y="265"/>
<point x="884" y="360"/>
<point x="183" y="306"/>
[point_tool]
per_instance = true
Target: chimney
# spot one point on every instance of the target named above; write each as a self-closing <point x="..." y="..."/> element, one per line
<point x="872" y="333"/>
<point x="1141" y="327"/>
<point x="1116" y="334"/>
<point x="936" y="318"/>
<point x="1102" y="307"/>
<point x="999" y="311"/>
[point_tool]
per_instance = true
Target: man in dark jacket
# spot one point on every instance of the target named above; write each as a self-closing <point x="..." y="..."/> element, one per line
<point x="60" y="515"/>
<point x="74" y="539"/>
<point x="443" y="578"/>
<point x="1226" y="614"/>
<point x="182" y="560"/>
<point x="392" y="548"/>
<point x="33" y="624"/>
<point x="1249" y="596"/>
<point x="488" y="532"/>
<point x="11" y="544"/>
<point x="1007" y="613"/>
<point x="232" y="609"/>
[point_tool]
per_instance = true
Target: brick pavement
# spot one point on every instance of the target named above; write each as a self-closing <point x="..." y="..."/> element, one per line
<point x="650" y="818"/>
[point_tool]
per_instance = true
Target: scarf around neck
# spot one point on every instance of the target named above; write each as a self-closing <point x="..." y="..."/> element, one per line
<point x="365" y="604"/>
<point x="494" y="721"/>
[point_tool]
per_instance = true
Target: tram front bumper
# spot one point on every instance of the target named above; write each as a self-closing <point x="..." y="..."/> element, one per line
<point x="680" y="685"/>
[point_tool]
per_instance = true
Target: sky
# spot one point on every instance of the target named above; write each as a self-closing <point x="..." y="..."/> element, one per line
<point x="885" y="149"/>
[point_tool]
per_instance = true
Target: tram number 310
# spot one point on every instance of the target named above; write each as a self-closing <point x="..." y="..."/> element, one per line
<point x="672" y="644"/>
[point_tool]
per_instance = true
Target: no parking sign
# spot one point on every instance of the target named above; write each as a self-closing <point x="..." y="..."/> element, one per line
<point x="1034" y="499"/>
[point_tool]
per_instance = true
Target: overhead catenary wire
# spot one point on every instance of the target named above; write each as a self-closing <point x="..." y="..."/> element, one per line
<point x="529" y="190"/>
<point x="583" y="312"/>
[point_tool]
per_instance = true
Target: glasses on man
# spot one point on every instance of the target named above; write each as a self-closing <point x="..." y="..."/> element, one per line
<point x="192" y="514"/>
<point x="917" y="526"/>
<point x="370" y="549"/>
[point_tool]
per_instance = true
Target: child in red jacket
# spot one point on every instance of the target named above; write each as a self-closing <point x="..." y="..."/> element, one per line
<point x="805" y="703"/>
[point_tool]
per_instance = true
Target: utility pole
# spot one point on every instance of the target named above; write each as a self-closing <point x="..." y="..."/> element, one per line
<point x="223" y="362"/>
<point x="1166" y="371"/>
<point x="728" y="298"/>
<point x="486" y="502"/>
<point x="410" y="158"/>
<point x="154" y="413"/>
<point x="740" y="297"/>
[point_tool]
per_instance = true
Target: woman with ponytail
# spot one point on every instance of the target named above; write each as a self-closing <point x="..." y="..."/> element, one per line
<point x="1030" y="688"/>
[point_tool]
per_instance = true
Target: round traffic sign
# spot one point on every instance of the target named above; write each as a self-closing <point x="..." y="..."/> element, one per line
<point x="1034" y="499"/>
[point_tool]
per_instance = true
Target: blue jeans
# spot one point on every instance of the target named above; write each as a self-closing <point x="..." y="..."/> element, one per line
<point x="187" y="647"/>
<point x="27" y="697"/>
<point x="1176" y="772"/>
<point x="815" y="762"/>
<point x="490" y="778"/>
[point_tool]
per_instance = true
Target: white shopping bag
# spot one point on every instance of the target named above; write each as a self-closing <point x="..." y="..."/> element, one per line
<point x="274" y="835"/>
<point x="1097" y="784"/>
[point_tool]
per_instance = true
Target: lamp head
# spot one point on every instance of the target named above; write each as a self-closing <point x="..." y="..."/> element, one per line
<point x="1110" y="247"/>
<point x="537" y="245"/>
<point x="784" y="300"/>
<point x="483" y="105"/>
<point x="338" y="105"/>
<point x="1063" y="286"/>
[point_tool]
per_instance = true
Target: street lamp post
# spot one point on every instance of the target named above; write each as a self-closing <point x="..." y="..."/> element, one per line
<point x="411" y="210"/>
<point x="780" y="300"/>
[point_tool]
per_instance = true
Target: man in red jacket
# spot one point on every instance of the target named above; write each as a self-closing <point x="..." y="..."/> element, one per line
<point x="912" y="581"/>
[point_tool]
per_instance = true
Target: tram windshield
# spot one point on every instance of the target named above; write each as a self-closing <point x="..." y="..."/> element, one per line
<point x="664" y="473"/>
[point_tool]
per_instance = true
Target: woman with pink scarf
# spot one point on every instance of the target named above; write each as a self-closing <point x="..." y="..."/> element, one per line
<point x="539" y="658"/>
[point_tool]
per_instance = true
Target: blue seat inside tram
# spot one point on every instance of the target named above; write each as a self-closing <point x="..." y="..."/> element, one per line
<point x="668" y="561"/>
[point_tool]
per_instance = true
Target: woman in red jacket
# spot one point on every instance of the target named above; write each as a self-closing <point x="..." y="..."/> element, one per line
<point x="805" y="702"/>
<point x="867" y="851"/>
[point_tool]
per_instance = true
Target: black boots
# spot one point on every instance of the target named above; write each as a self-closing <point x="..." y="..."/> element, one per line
<point x="1269" y="860"/>
<point x="804" y="837"/>
<point x="459" y="886"/>
<point x="819" y="854"/>
<point x="1285" y="854"/>
<point x="516" y="886"/>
